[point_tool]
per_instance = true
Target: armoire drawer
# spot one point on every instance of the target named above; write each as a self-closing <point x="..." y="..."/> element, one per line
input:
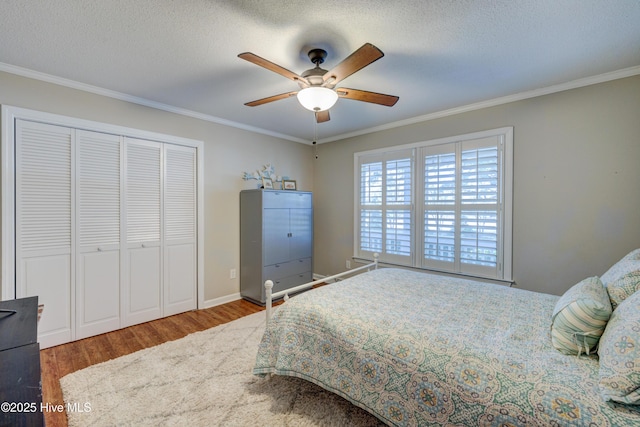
<point x="291" y="281"/>
<point x="284" y="269"/>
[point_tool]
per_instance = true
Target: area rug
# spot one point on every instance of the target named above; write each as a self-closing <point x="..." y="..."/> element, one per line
<point x="203" y="379"/>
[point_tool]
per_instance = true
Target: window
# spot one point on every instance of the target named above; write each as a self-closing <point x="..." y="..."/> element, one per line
<point x="385" y="206"/>
<point x="442" y="205"/>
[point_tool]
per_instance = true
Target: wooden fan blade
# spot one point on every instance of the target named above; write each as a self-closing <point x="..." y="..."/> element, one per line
<point x="365" y="96"/>
<point x="359" y="59"/>
<point x="270" y="99"/>
<point x="322" y="116"/>
<point x="255" y="59"/>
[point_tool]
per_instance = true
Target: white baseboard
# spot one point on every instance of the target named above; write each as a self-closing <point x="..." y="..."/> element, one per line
<point x="221" y="300"/>
<point x="234" y="297"/>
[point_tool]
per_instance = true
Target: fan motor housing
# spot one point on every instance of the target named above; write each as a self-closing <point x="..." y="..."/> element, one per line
<point x="314" y="76"/>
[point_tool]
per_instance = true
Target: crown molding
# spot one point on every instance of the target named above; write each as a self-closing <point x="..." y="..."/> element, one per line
<point x="574" y="84"/>
<point x="25" y="72"/>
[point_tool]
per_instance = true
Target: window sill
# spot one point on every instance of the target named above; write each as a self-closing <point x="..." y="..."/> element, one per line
<point x="509" y="283"/>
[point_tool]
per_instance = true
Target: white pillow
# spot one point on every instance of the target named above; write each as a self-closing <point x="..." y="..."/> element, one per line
<point x="620" y="354"/>
<point x="628" y="264"/>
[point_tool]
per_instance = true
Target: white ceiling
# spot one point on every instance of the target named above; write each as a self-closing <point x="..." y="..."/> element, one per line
<point x="181" y="55"/>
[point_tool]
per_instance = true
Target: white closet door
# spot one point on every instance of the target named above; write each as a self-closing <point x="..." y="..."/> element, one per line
<point x="179" y="229"/>
<point x="98" y="233"/>
<point x="44" y="217"/>
<point x="142" y="282"/>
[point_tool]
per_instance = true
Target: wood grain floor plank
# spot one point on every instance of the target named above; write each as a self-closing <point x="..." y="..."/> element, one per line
<point x="123" y="342"/>
<point x="146" y="334"/>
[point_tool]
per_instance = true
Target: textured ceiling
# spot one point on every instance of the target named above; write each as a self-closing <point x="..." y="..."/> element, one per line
<point x="439" y="54"/>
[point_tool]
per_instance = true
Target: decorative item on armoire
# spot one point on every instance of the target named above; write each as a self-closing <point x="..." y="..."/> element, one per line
<point x="263" y="177"/>
<point x="267" y="183"/>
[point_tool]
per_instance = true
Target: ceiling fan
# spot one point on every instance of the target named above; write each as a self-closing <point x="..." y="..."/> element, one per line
<point x="317" y="86"/>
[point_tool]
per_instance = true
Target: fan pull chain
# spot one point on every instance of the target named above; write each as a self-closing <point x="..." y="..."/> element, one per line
<point x="315" y="137"/>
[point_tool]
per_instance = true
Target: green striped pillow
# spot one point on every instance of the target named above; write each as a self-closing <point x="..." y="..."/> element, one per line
<point x="580" y="316"/>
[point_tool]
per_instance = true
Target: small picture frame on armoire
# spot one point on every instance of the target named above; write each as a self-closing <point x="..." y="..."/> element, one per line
<point x="267" y="183"/>
<point x="288" y="184"/>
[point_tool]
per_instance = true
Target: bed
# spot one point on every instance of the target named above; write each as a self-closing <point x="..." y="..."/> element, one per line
<point x="414" y="348"/>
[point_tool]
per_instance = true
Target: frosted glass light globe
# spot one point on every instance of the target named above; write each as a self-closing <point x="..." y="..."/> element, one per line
<point x="317" y="98"/>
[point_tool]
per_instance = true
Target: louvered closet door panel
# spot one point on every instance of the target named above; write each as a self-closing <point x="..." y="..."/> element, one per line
<point x="180" y="193"/>
<point x="98" y="218"/>
<point x="43" y="180"/>
<point x="142" y="281"/>
<point x="143" y="191"/>
<point x="179" y="229"/>
<point x="44" y="216"/>
<point x="98" y="177"/>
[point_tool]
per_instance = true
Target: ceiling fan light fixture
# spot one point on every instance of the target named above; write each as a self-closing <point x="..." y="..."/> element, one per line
<point x="317" y="98"/>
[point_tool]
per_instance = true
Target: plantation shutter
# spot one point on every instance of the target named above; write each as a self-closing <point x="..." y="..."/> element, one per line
<point x="449" y="210"/>
<point x="480" y="206"/>
<point x="385" y="207"/>
<point x="462" y="206"/>
<point x="370" y="207"/>
<point x="439" y="212"/>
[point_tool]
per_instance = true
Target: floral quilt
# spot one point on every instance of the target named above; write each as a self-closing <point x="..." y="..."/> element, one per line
<point x="422" y="349"/>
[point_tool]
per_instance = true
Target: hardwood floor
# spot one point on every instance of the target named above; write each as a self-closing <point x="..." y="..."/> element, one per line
<point x="61" y="360"/>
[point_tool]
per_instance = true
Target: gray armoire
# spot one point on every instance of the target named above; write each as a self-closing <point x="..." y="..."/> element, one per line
<point x="276" y="240"/>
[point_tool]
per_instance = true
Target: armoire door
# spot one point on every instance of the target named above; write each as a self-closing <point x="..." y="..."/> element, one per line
<point x="287" y="226"/>
<point x="142" y="278"/>
<point x="98" y="177"/>
<point x="275" y="223"/>
<point x="44" y="180"/>
<point x="179" y="237"/>
<point x="301" y="229"/>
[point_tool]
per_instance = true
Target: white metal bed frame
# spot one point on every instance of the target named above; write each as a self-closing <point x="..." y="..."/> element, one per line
<point x="268" y="285"/>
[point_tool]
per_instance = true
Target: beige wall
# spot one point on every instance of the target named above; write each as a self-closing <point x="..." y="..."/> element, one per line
<point x="228" y="153"/>
<point x="576" y="189"/>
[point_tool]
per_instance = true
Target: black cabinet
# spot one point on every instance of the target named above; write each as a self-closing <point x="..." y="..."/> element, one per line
<point x="20" y="379"/>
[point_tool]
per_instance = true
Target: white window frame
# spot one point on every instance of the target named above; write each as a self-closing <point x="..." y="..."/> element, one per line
<point x="503" y="271"/>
